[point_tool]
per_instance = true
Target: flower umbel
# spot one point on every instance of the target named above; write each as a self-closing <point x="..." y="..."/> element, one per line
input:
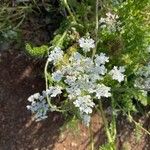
<point x="110" y="22"/>
<point x="86" y="44"/>
<point x="117" y="73"/>
<point x="81" y="79"/>
<point x="84" y="104"/>
<point x="55" y="55"/>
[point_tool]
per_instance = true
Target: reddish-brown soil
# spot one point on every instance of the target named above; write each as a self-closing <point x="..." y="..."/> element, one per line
<point x="19" y="78"/>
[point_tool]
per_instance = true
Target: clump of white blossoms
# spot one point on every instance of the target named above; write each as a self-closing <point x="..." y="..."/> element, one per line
<point x="56" y="55"/>
<point x="86" y="44"/>
<point x="110" y="22"/>
<point x="81" y="78"/>
<point x="143" y="80"/>
<point x="117" y="73"/>
<point x="39" y="105"/>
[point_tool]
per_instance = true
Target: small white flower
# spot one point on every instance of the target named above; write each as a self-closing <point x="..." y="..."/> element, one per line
<point x="102" y="20"/>
<point x="86" y="44"/>
<point x="101" y="70"/>
<point x="41" y="97"/>
<point x="34" y="97"/>
<point x="57" y="76"/>
<point x="110" y="21"/>
<point x="117" y="73"/>
<point x="101" y="59"/>
<point x="39" y="108"/>
<point x="76" y="57"/>
<point x="55" y="55"/>
<point x="112" y="16"/>
<point x="147" y="83"/>
<point x="70" y="80"/>
<point x="86" y="119"/>
<point x="102" y="91"/>
<point x="28" y="107"/>
<point x="94" y="77"/>
<point x="31" y="98"/>
<point x="55" y="91"/>
<point x="84" y="103"/>
<point x="143" y="80"/>
<point x="52" y="91"/>
<point x="73" y="92"/>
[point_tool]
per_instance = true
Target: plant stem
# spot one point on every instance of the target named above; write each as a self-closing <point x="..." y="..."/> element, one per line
<point x="46" y="82"/>
<point x="96" y="28"/>
<point x="91" y="137"/>
<point x="45" y="72"/>
<point x="113" y="118"/>
<point x="136" y="123"/>
<point x="19" y="24"/>
<point x="69" y="10"/>
<point x="101" y="112"/>
<point x="46" y="68"/>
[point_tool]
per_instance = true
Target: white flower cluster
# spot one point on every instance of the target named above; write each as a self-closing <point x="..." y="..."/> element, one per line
<point x="39" y="105"/>
<point x="110" y="22"/>
<point x="82" y="78"/>
<point x="117" y="73"/>
<point x="86" y="44"/>
<point x="84" y="103"/>
<point x="55" y="55"/>
<point x="143" y="81"/>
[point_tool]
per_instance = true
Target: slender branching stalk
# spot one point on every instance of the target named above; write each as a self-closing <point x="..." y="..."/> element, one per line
<point x="46" y="69"/>
<point x="96" y="27"/>
<point x="69" y="10"/>
<point x="113" y="117"/>
<point x="137" y="124"/>
<point x="132" y="120"/>
<point x="91" y="137"/>
<point x="108" y="133"/>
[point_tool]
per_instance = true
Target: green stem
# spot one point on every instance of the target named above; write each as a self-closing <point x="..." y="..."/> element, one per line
<point x="46" y="72"/>
<point x="91" y="137"/>
<point x="69" y="10"/>
<point x="46" y="82"/>
<point x="19" y="24"/>
<point x="108" y="132"/>
<point x="96" y="28"/>
<point x="113" y="118"/>
<point x="136" y="123"/>
<point x="101" y="112"/>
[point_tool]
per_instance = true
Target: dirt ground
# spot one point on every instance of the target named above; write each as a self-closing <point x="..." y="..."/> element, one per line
<point x="19" y="78"/>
